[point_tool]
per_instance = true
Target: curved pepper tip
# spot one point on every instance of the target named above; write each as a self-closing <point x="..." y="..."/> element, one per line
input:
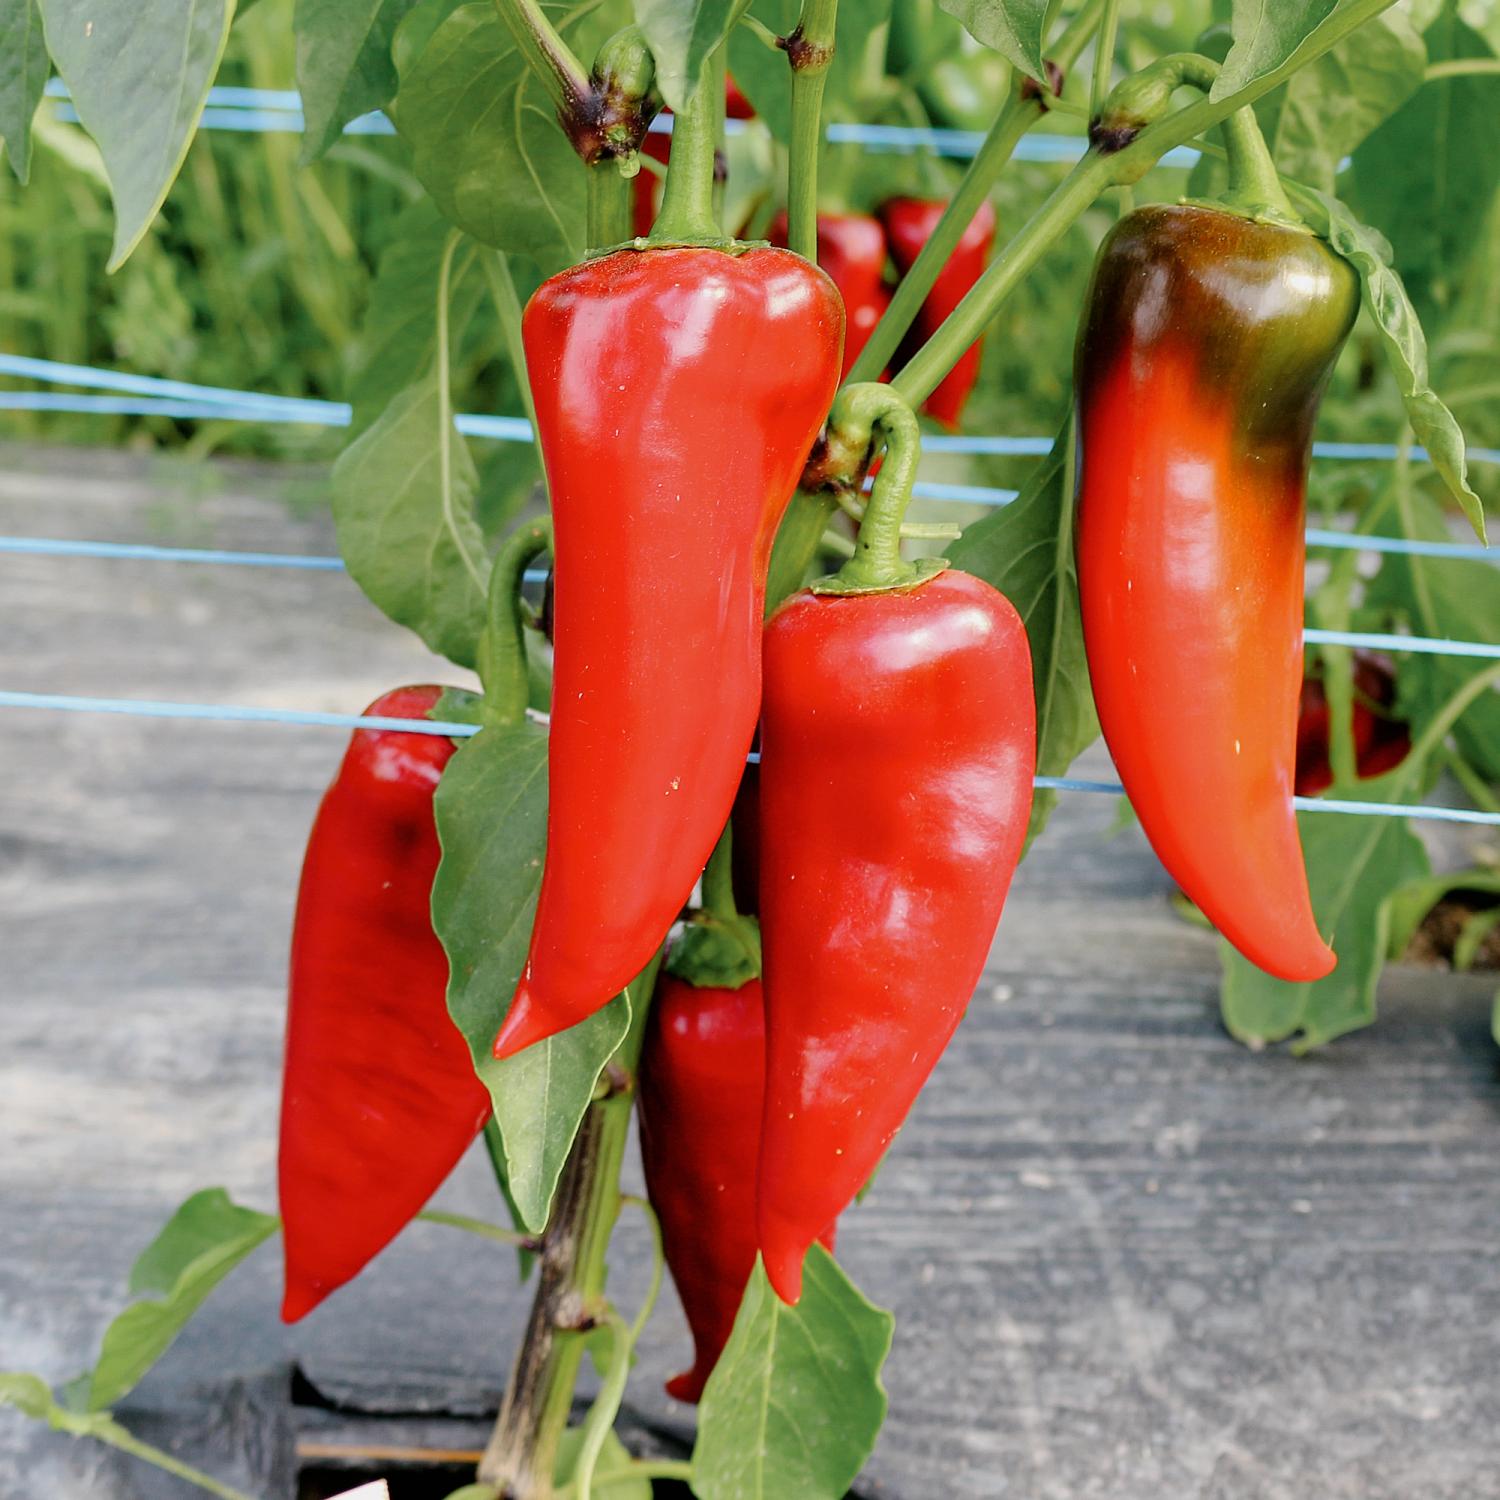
<point x="688" y="1386"/>
<point x="299" y="1298"/>
<point x="525" y="1024"/>
<point x="783" y="1256"/>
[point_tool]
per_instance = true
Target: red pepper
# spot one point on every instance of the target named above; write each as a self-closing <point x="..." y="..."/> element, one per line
<point x="898" y="743"/>
<point x="909" y="223"/>
<point x="379" y="1097"/>
<point x="851" y="248"/>
<point x="1381" y="740"/>
<point x="1205" y="348"/>
<point x="701" y="1089"/>
<point x="677" y="394"/>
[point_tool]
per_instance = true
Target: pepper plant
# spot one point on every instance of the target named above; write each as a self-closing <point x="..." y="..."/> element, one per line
<point x="740" y="684"/>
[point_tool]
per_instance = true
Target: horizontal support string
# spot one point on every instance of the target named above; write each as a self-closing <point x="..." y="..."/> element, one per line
<point x="254" y="406"/>
<point x="244" y="714"/>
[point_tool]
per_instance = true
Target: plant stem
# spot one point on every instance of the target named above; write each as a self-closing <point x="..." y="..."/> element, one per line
<point x="1104" y="55"/>
<point x="485" y="1230"/>
<point x="661" y="1468"/>
<point x="806" y="520"/>
<point x="1093" y="174"/>
<point x="502" y="648"/>
<point x="687" y="205"/>
<point x="606" y="1407"/>
<point x="608" y="218"/>
<point x="119" y="1437"/>
<point x="718" y="877"/>
<point x="809" y="49"/>
<point x="550" y="58"/>
<point x="522" y="1450"/>
<point x="1021" y="112"/>
<point x="1461" y="67"/>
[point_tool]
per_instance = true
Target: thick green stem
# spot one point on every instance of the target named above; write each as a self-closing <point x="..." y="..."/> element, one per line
<point x="1254" y="187"/>
<point x="1098" y="171"/>
<point x="1024" y="108"/>
<point x="1104" y="55"/>
<point x="608" y="220"/>
<point x="877" y="564"/>
<point x="809" y="49"/>
<point x="522" y="1451"/>
<point x="687" y="206"/>
<point x="550" y="58"/>
<point x="502" y="648"/>
<point x="718" y="878"/>
<point x="797" y="539"/>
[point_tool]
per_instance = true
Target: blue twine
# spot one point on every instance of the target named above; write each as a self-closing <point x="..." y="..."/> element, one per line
<point x="240" y="714"/>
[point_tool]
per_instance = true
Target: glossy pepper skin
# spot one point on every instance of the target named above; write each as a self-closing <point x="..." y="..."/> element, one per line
<point x="852" y="250"/>
<point x="677" y="394"/>
<point x="379" y="1098"/>
<point x="1206" y="344"/>
<point x="702" y="1085"/>
<point x="898" y="744"/>
<point x="909" y="223"/>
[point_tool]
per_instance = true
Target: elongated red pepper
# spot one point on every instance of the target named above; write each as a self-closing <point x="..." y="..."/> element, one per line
<point x="909" y="223"/>
<point x="1204" y="350"/>
<point x="851" y="248"/>
<point x="379" y="1097"/>
<point x="677" y="394"/>
<point x="701" y="1090"/>
<point x="898" y="743"/>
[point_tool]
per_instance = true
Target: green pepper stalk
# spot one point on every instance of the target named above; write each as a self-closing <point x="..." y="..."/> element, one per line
<point x="809" y="49"/>
<point x="502" y="647"/>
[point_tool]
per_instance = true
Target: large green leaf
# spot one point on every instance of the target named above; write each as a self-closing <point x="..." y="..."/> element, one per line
<point x="406" y="523"/>
<point x="1266" y="34"/>
<point x="1331" y="105"/>
<point x="1025" y="550"/>
<point x="1454" y="600"/>
<point x="139" y="72"/>
<point x="1411" y="904"/>
<point x="1355" y="866"/>
<point x="1406" y="350"/>
<point x="197" y="1248"/>
<point x="344" y="66"/>
<point x="1426" y="177"/>
<point x="23" y="75"/>
<point x="1014" y="28"/>
<point x="398" y="340"/>
<point x="681" y="34"/>
<point x="485" y="140"/>
<point x="795" y="1403"/>
<point x="492" y="820"/>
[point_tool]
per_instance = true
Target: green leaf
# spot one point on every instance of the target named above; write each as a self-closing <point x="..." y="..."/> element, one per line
<point x="485" y="140"/>
<point x="1471" y="939"/>
<point x="412" y="544"/>
<point x="1331" y="105"/>
<point x="29" y="1394"/>
<point x="23" y="75"/>
<point x="475" y="1492"/>
<point x="198" y="1247"/>
<point x="139" y="73"/>
<point x="398" y="340"/>
<point x="1411" y="904"/>
<point x="614" y="1458"/>
<point x="1426" y="177"/>
<point x="344" y="66"/>
<point x="1025" y="550"/>
<point x="795" y="1403"/>
<point x="1452" y="599"/>
<point x="491" y="810"/>
<point x="1014" y="28"/>
<point x="681" y="34"/>
<point x="1406" y="349"/>
<point x="1266" y="34"/>
<point x="1355" y="866"/>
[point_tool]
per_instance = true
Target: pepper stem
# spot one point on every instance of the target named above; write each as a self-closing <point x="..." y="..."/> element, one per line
<point x="502" y="647"/>
<point x="877" y="565"/>
<point x="809" y="49"/>
<point x="1255" y="188"/>
<point x="687" y="205"/>
<point x="720" y="949"/>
